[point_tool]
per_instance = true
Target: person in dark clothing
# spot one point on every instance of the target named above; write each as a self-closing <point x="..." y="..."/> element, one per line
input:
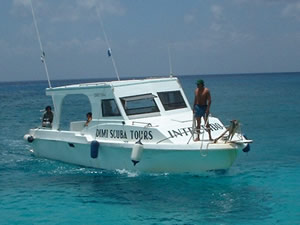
<point x="47" y="117"/>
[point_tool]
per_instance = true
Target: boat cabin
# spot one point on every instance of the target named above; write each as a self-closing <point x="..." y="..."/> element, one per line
<point x="120" y="101"/>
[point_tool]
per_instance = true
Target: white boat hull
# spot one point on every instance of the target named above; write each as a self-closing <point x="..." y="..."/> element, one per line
<point x="112" y="156"/>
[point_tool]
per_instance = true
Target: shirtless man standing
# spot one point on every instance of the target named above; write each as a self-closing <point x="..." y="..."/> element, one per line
<point x="202" y="104"/>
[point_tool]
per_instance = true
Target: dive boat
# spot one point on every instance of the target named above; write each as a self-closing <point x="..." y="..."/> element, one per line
<point x="142" y="125"/>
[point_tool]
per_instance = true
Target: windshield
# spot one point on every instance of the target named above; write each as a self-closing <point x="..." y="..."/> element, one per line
<point x="139" y="104"/>
<point x="172" y="100"/>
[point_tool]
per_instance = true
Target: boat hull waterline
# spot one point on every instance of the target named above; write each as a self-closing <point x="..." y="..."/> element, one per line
<point x="116" y="156"/>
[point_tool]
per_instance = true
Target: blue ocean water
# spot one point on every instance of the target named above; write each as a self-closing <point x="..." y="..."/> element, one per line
<point x="262" y="187"/>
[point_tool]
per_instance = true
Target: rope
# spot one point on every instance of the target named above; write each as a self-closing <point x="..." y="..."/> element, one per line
<point x="43" y="55"/>
<point x="202" y="139"/>
<point x="193" y="128"/>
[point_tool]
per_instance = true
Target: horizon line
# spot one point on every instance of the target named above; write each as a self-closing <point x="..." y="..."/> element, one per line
<point x="145" y="76"/>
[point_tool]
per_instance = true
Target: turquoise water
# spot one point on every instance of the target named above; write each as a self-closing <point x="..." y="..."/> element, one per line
<point x="262" y="187"/>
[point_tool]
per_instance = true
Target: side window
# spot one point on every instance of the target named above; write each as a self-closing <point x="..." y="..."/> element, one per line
<point x="109" y="108"/>
<point x="172" y="100"/>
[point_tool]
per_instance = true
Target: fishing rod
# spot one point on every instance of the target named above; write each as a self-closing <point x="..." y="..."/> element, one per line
<point x="109" y="52"/>
<point x="43" y="55"/>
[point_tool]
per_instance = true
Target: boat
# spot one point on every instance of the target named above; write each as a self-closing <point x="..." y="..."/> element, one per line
<point x="144" y="125"/>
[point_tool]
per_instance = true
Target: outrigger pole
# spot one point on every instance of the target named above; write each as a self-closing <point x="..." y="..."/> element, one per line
<point x="43" y="55"/>
<point x="109" y="52"/>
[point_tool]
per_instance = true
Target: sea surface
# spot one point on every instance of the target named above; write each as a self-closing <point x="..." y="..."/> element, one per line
<point x="262" y="187"/>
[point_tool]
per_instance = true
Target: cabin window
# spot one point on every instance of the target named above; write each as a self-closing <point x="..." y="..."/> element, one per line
<point x="139" y="104"/>
<point x="172" y="100"/>
<point x="110" y="108"/>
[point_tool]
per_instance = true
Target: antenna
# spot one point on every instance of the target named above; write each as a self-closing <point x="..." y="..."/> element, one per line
<point x="109" y="52"/>
<point x="43" y="55"/>
<point x="170" y="61"/>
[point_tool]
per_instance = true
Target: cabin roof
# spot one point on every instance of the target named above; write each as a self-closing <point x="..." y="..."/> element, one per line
<point x="111" y="84"/>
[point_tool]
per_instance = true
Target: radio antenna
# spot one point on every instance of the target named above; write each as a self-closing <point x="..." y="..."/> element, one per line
<point x="109" y="52"/>
<point x="43" y="55"/>
<point x="170" y="61"/>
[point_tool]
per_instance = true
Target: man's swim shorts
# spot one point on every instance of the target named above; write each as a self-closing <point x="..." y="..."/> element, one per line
<point x="200" y="110"/>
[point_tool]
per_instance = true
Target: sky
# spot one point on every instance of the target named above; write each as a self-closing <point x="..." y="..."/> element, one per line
<point x="203" y="37"/>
